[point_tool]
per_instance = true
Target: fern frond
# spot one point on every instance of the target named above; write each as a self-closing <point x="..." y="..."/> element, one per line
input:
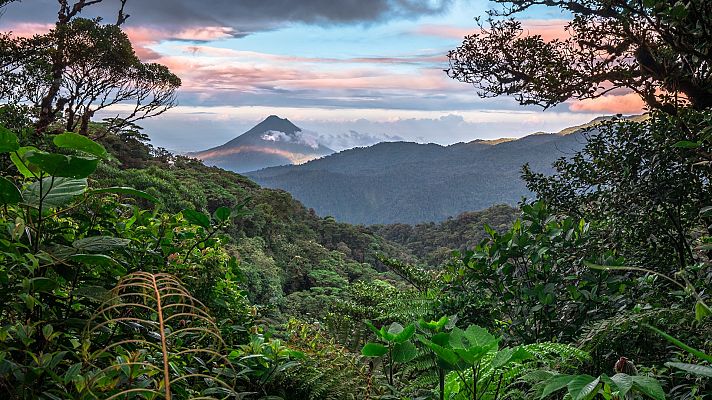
<point x="408" y="306"/>
<point x="606" y="331"/>
<point x="156" y="341"/>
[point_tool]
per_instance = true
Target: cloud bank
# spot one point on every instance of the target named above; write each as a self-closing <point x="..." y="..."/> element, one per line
<point x="244" y="16"/>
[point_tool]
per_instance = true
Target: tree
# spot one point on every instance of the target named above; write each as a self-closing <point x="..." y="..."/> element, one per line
<point x="529" y="281"/>
<point x="81" y="67"/>
<point x="657" y="48"/>
<point x="646" y="182"/>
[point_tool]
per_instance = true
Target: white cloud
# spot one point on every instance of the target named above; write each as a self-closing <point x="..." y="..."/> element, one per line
<point x="298" y="137"/>
<point x="347" y="140"/>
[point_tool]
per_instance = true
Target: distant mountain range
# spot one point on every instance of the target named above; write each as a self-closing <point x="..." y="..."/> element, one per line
<point x="411" y="183"/>
<point x="274" y="141"/>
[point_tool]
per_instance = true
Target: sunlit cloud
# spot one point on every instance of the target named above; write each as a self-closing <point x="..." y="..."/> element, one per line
<point x="221" y="52"/>
<point x="629" y="103"/>
<point x="28" y="29"/>
<point x="192" y="128"/>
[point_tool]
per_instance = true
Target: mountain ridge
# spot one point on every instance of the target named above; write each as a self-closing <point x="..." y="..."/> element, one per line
<point x="407" y="182"/>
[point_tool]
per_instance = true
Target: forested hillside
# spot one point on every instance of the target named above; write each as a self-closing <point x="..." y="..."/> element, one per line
<point x="280" y="243"/>
<point x="413" y="183"/>
<point x="434" y="243"/>
<point x="127" y="272"/>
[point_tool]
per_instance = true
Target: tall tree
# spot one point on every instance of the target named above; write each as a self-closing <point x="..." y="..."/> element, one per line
<point x="660" y="49"/>
<point x="81" y="67"/>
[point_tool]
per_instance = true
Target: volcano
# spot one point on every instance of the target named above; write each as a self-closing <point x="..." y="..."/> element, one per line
<point x="273" y="142"/>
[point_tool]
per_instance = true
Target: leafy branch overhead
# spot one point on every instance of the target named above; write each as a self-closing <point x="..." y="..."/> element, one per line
<point x="655" y="48"/>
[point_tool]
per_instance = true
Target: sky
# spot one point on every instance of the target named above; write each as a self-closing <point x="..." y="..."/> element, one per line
<point x="355" y="72"/>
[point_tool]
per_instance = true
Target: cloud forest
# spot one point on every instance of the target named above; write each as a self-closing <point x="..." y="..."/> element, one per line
<point x="489" y="200"/>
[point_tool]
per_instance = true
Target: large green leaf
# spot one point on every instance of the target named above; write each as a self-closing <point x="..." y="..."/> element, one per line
<point x="196" y="218"/>
<point x="404" y="352"/>
<point x="510" y="355"/>
<point x="556" y="383"/>
<point x="395" y="328"/>
<point x="374" y="350"/>
<point x="56" y="192"/>
<point x="70" y="140"/>
<point x="61" y="165"/>
<point x="472" y="344"/>
<point x="9" y="193"/>
<point x="623" y="382"/>
<point x="444" y="354"/>
<point x="502" y="357"/>
<point x="96" y="244"/>
<point x="475" y="339"/>
<point x="648" y="386"/>
<point x="8" y="140"/>
<point x="441" y="339"/>
<point x="222" y="214"/>
<point x="405" y="334"/>
<point x="686" y="144"/>
<point x="125" y="190"/>
<point x="700" y="370"/>
<point x="583" y="387"/>
<point x="18" y="158"/>
<point x="702" y="311"/>
<point x="101" y="260"/>
<point x="42" y="284"/>
<point x="433" y="325"/>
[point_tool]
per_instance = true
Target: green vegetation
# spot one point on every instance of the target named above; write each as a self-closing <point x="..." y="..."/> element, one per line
<point x="433" y="243"/>
<point x="129" y="273"/>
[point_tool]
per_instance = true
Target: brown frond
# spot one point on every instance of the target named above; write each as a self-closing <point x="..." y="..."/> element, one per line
<point x="151" y="339"/>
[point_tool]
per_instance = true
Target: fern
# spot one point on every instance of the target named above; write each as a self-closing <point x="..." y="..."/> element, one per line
<point x="157" y="341"/>
<point x="416" y="276"/>
<point x="408" y="306"/>
<point x="329" y="371"/>
<point x="607" y="330"/>
<point x="421" y="373"/>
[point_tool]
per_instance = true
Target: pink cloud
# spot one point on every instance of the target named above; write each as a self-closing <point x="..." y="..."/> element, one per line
<point x="27" y="29"/>
<point x="629" y="103"/>
<point x="145" y="37"/>
<point x="425" y="80"/>
<point x="547" y="29"/>
<point x="210" y="76"/>
<point x="443" y="31"/>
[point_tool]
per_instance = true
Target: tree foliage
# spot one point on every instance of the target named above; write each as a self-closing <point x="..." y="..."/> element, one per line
<point x="658" y="49"/>
<point x="79" y="68"/>
<point x="648" y="181"/>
